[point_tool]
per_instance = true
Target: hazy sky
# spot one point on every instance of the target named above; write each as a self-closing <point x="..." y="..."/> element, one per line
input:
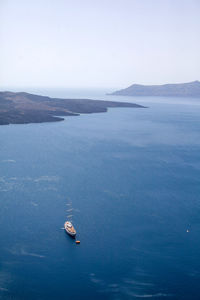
<point x="97" y="43"/>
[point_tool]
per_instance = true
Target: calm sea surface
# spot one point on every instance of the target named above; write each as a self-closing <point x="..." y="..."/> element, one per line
<point x="129" y="180"/>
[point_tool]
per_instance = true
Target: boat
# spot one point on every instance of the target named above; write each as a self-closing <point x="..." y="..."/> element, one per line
<point x="69" y="228"/>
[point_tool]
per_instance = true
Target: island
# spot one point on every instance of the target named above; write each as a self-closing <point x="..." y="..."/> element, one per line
<point x="189" y="89"/>
<point x="22" y="108"/>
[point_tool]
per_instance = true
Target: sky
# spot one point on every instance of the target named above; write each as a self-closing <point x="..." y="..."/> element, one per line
<point x="98" y="43"/>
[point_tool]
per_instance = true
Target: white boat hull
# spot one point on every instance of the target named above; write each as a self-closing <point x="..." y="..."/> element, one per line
<point x="69" y="231"/>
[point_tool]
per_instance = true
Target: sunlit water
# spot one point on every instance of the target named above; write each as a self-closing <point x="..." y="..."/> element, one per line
<point x="129" y="180"/>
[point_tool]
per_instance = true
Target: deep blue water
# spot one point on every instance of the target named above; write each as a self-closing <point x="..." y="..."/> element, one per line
<point x="131" y="180"/>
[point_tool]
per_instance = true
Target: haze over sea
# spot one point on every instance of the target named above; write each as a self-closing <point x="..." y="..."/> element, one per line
<point x="129" y="180"/>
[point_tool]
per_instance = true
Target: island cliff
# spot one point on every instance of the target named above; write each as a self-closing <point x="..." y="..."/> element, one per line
<point x="190" y="89"/>
<point x="21" y="108"/>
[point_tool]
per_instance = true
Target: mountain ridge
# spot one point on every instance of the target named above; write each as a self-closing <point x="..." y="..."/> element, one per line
<point x="188" y="89"/>
<point x="24" y="108"/>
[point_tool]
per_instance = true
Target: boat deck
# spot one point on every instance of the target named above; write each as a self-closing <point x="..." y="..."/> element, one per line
<point x="70" y="229"/>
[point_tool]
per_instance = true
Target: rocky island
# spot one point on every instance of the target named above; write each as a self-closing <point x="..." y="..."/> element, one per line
<point x="22" y="108"/>
<point x="190" y="89"/>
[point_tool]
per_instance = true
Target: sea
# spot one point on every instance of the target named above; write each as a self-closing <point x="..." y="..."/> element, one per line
<point x="128" y="179"/>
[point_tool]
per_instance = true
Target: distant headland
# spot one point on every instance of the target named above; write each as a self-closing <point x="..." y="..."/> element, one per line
<point x="22" y="108"/>
<point x="190" y="89"/>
